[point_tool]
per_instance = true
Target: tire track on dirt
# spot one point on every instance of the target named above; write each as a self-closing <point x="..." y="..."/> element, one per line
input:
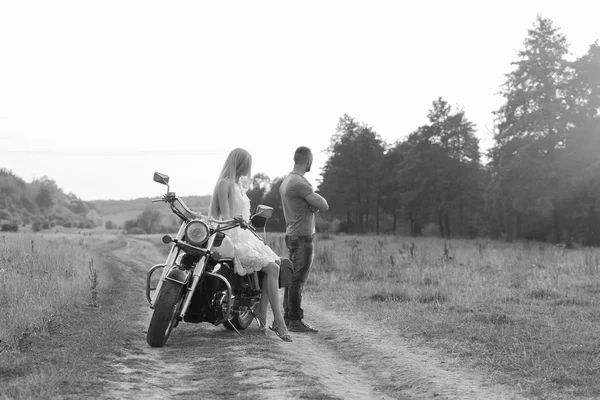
<point x="265" y="366"/>
<point x="397" y="366"/>
<point x="349" y="359"/>
<point x="199" y="361"/>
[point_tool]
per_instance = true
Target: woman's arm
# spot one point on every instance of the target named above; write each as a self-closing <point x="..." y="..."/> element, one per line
<point x="223" y="199"/>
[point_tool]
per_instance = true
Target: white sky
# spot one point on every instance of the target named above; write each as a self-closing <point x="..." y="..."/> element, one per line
<point x="98" y="95"/>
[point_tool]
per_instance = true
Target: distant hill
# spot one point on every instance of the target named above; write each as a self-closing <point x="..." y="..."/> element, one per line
<point x="120" y="211"/>
<point x="41" y="205"/>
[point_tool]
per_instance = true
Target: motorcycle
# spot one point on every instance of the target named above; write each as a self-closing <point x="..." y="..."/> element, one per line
<point x="198" y="282"/>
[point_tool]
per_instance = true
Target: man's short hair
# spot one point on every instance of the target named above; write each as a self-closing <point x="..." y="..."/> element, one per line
<point x="302" y="155"/>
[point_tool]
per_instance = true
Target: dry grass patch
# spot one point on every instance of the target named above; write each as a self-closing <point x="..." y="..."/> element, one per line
<point x="40" y="276"/>
<point x="528" y="313"/>
<point x="64" y="350"/>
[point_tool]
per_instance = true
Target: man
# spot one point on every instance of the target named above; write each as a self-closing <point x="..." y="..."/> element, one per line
<point x="300" y="203"/>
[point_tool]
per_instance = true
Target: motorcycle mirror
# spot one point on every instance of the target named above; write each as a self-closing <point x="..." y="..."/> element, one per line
<point x="260" y="216"/>
<point x="161" y="178"/>
<point x="167" y="239"/>
<point x="263" y="211"/>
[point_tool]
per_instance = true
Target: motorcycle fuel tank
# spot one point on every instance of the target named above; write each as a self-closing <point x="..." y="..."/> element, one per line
<point x="224" y="246"/>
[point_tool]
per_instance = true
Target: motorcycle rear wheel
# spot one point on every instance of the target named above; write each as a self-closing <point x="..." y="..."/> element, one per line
<point x="241" y="320"/>
<point x="164" y="317"/>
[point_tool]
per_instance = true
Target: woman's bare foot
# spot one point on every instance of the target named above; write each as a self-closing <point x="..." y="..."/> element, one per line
<point x="281" y="331"/>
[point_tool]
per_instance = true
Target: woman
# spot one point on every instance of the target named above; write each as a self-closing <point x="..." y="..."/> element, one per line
<point x="251" y="254"/>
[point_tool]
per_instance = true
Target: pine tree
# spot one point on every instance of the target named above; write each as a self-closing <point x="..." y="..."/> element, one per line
<point x="350" y="175"/>
<point x="532" y="126"/>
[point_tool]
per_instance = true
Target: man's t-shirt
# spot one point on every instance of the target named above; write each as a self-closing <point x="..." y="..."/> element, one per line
<point x="300" y="221"/>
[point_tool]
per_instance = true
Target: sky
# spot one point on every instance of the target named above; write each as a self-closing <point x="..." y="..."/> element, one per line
<point x="98" y="95"/>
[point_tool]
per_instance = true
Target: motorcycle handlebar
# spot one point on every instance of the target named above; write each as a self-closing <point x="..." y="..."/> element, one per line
<point x="187" y="209"/>
<point x="232" y="222"/>
<point x="243" y="223"/>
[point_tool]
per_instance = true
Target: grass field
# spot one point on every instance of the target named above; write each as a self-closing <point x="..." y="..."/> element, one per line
<point x="55" y="338"/>
<point x="42" y="276"/>
<point x="527" y="312"/>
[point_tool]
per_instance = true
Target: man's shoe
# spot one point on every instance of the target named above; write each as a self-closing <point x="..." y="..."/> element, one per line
<point x="301" y="326"/>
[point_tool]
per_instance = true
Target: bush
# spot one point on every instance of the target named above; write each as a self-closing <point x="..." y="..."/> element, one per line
<point x="109" y="225"/>
<point x="56" y="219"/>
<point x="130" y="224"/>
<point x="36" y="226"/>
<point x="343" y="227"/>
<point x="431" y="230"/>
<point x="10" y="227"/>
<point x="4" y="214"/>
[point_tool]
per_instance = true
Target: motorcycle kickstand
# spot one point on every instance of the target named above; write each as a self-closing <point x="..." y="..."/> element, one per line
<point x="234" y="328"/>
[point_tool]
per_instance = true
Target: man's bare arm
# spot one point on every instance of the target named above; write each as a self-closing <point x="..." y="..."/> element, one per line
<point x="317" y="201"/>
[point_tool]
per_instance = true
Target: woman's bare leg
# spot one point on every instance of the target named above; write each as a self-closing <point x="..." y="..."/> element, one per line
<point x="263" y="305"/>
<point x="271" y="289"/>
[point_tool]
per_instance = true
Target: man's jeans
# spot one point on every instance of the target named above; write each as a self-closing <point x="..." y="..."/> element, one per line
<point x="301" y="255"/>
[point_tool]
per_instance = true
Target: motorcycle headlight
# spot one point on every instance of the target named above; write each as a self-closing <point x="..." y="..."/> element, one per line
<point x="196" y="232"/>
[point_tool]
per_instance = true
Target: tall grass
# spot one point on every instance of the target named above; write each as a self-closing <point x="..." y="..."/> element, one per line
<point x="529" y="312"/>
<point x="39" y="277"/>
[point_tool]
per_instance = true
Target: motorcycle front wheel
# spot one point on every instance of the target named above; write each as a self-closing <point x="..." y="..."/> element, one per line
<point x="241" y="320"/>
<point x="164" y="317"/>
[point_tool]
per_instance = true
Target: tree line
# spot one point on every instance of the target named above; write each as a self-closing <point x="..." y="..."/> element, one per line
<point x="40" y="204"/>
<point x="540" y="179"/>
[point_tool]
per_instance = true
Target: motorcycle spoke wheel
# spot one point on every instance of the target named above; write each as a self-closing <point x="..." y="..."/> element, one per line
<point x="164" y="317"/>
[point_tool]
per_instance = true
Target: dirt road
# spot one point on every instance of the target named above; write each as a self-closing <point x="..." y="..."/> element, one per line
<point x="346" y="360"/>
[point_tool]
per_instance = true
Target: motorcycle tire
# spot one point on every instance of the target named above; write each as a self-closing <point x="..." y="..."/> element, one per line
<point x="241" y="320"/>
<point x="164" y="317"/>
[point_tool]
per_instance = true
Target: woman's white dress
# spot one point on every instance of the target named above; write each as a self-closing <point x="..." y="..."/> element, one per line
<point x="251" y="254"/>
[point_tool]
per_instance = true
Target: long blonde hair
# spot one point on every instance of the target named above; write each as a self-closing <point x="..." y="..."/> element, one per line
<point x="237" y="169"/>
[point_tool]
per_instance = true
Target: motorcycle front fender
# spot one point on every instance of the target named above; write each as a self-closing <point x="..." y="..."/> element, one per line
<point x="178" y="275"/>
